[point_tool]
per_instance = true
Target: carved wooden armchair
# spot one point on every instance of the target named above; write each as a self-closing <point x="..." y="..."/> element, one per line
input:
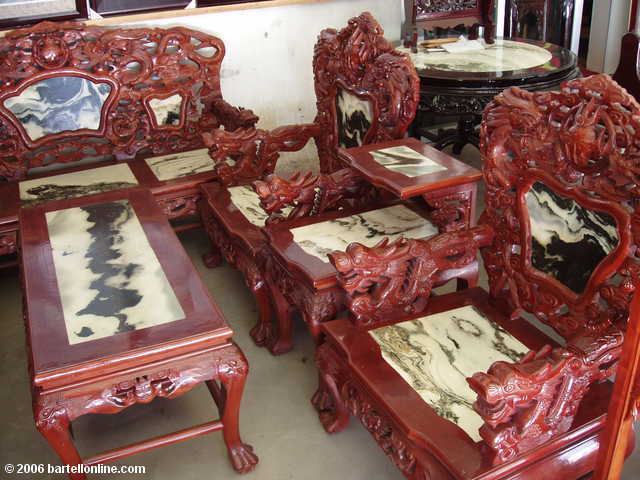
<point x="366" y="92"/>
<point x="462" y="386"/>
<point x="445" y="13"/>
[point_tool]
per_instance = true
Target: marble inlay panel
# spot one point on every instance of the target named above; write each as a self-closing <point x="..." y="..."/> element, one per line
<point x="354" y="117"/>
<point x="406" y="161"/>
<point x="59" y="104"/>
<point x="176" y="165"/>
<point x="502" y="56"/>
<point x="568" y="241"/>
<point x="368" y="228"/>
<point x="435" y="354"/>
<point x="167" y="110"/>
<point x="109" y="278"/>
<point x="248" y="202"/>
<point x="76" y="184"/>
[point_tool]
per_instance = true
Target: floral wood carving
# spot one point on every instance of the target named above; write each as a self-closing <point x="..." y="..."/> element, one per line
<point x="524" y="404"/>
<point x="308" y="195"/>
<point x="248" y="154"/>
<point x="180" y="206"/>
<point x="360" y="60"/>
<point x="583" y="142"/>
<point x="139" y="65"/>
<point x="397" y="277"/>
<point x="452" y="211"/>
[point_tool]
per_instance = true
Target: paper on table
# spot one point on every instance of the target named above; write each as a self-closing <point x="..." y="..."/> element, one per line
<point x="462" y="46"/>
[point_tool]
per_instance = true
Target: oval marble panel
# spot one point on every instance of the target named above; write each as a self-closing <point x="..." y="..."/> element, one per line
<point x="568" y="241"/>
<point x="59" y="104"/>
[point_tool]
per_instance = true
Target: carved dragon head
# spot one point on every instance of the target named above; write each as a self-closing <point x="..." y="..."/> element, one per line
<point x="276" y="192"/>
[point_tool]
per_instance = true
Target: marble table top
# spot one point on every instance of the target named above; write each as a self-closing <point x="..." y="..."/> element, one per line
<point x="76" y="184"/>
<point x="368" y="228"/>
<point x="406" y="161"/>
<point x="503" y="55"/>
<point x="435" y="354"/>
<point x="176" y="165"/>
<point x="109" y="278"/>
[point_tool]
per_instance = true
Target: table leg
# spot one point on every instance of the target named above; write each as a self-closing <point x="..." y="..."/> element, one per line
<point x="232" y="372"/>
<point x="52" y="421"/>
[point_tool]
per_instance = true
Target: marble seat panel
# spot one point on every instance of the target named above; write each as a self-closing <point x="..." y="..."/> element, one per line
<point x="368" y="228"/>
<point x="76" y="184"/>
<point x="178" y="165"/>
<point x="436" y="353"/>
<point x="248" y="202"/>
<point x="109" y="277"/>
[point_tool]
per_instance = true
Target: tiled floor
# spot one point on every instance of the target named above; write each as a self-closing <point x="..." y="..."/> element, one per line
<point x="277" y="418"/>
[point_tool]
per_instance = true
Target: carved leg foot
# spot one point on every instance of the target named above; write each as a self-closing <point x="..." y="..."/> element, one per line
<point x="263" y="330"/>
<point x="212" y="259"/>
<point x="233" y="373"/>
<point x="53" y="422"/>
<point x="331" y="410"/>
<point x="280" y="339"/>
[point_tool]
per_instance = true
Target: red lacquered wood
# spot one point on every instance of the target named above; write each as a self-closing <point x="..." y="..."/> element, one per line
<point x="456" y="174"/>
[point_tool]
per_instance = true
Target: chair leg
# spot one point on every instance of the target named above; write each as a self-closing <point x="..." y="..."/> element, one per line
<point x="233" y="374"/>
<point x="280" y="339"/>
<point x="332" y="412"/>
<point x="262" y="331"/>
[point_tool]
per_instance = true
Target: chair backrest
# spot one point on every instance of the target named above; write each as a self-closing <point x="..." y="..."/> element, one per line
<point x="70" y="92"/>
<point x="366" y="91"/>
<point x="561" y="171"/>
<point x="628" y="71"/>
<point x="531" y="19"/>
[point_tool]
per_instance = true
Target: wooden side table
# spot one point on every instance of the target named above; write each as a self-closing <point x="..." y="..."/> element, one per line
<point x="116" y="315"/>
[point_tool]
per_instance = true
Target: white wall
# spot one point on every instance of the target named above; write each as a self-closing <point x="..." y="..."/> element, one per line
<point x="609" y="22"/>
<point x="269" y="52"/>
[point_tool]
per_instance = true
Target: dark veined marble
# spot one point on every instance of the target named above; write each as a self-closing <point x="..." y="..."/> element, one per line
<point x="354" y="117"/>
<point x="59" y="104"/>
<point x="568" y="240"/>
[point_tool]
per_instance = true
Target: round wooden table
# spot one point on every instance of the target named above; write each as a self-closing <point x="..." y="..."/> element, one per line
<point x="459" y="85"/>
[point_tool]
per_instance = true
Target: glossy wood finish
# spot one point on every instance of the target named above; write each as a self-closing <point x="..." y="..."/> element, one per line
<point x="111" y="373"/>
<point x="553" y="21"/>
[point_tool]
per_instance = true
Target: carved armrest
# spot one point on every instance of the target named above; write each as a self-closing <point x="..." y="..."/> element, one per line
<point x="308" y="195"/>
<point x="233" y="118"/>
<point x="396" y="278"/>
<point x="524" y="404"/>
<point x="247" y="154"/>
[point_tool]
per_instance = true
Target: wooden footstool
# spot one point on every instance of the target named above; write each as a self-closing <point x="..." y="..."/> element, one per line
<point x="116" y="315"/>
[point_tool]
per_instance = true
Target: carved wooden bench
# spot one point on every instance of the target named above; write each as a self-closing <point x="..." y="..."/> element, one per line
<point x="110" y="109"/>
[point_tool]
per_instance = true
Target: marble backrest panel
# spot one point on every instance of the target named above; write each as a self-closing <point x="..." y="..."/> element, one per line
<point x="368" y="228"/>
<point x="59" y="104"/>
<point x="568" y="241"/>
<point x="109" y="278"/>
<point x="435" y="354"/>
<point x="76" y="184"/>
<point x="354" y="118"/>
<point x="166" y="110"/>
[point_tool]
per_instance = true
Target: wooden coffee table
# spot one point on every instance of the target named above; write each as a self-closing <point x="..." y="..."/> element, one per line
<point x="116" y="315"/>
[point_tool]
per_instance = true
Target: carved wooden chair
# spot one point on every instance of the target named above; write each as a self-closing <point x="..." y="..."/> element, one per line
<point x="628" y="72"/>
<point x="366" y="92"/>
<point x="531" y="19"/>
<point x="444" y="14"/>
<point x="460" y="385"/>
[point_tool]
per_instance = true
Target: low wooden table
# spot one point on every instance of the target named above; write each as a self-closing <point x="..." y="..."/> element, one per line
<point x="116" y="315"/>
<point x="409" y="168"/>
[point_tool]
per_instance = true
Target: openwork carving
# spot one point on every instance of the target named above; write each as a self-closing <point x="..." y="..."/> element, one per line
<point x="358" y="59"/>
<point x="138" y="65"/>
<point x="247" y="154"/>
<point x="526" y="403"/>
<point x="437" y="6"/>
<point x="397" y="277"/>
<point x="452" y="212"/>
<point x="308" y="195"/>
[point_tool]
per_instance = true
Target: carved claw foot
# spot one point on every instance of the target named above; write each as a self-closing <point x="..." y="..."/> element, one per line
<point x="261" y="333"/>
<point x="242" y="458"/>
<point x="278" y="346"/>
<point x="334" y="418"/>
<point x="212" y="259"/>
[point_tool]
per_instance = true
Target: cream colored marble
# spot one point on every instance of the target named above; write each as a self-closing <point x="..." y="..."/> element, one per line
<point x="504" y="55"/>
<point x="320" y="239"/>
<point x="77" y="184"/>
<point x="183" y="164"/>
<point x="248" y="202"/>
<point x="406" y="161"/>
<point x="435" y="354"/>
<point x="109" y="278"/>
<point x="167" y="110"/>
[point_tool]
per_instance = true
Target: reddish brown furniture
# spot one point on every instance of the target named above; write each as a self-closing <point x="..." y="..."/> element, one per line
<point x="115" y="315"/>
<point x="558" y="243"/>
<point x="628" y="72"/>
<point x="366" y="92"/>
<point x="540" y="20"/>
<point x="72" y="92"/>
<point x="443" y="13"/>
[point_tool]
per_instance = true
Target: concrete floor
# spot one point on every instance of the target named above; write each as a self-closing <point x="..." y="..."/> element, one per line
<point x="277" y="417"/>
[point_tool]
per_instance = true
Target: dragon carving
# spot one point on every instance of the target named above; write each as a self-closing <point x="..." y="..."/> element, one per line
<point x="309" y="195"/>
<point x="398" y="276"/>
<point x="524" y="404"/>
